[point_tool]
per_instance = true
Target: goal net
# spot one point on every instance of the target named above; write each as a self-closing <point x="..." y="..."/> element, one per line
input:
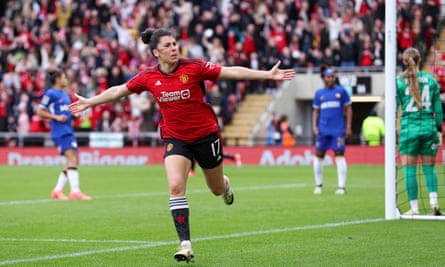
<point x="396" y="197"/>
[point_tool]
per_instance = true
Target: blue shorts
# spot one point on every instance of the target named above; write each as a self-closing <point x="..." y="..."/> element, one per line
<point x="335" y="142"/>
<point x="66" y="142"/>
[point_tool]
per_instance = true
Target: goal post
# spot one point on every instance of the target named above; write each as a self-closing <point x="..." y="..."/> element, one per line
<point x="391" y="211"/>
<point x="395" y="194"/>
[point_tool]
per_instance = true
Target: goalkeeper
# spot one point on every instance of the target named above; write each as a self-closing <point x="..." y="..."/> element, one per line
<point x="418" y="100"/>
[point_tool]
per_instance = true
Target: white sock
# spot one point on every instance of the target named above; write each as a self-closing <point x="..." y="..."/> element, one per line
<point x="186" y="244"/>
<point x="341" y="171"/>
<point x="73" y="177"/>
<point x="433" y="198"/>
<point x="61" y="182"/>
<point x="414" y="205"/>
<point x="318" y="170"/>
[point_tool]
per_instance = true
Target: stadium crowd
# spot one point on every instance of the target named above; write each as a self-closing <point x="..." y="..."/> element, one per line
<point x="96" y="42"/>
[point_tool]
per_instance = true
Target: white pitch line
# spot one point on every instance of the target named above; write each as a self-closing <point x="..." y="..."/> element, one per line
<point x="250" y="188"/>
<point x="62" y="240"/>
<point x="164" y="243"/>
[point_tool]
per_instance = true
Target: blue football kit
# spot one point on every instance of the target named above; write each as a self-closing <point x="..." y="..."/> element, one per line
<point x="57" y="102"/>
<point x="331" y="122"/>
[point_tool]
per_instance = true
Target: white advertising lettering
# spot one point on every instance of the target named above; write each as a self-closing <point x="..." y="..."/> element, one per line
<point x="286" y="158"/>
<point x="85" y="158"/>
<point x="330" y="104"/>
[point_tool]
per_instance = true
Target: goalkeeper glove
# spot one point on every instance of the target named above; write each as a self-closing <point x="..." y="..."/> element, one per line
<point x="439" y="136"/>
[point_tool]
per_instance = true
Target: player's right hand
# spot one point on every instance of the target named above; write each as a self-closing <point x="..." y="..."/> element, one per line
<point x="79" y="105"/>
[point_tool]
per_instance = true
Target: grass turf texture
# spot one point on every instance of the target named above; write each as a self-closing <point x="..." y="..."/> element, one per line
<point x="275" y="220"/>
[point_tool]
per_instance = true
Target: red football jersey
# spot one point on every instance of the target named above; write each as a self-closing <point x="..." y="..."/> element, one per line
<point x="180" y="96"/>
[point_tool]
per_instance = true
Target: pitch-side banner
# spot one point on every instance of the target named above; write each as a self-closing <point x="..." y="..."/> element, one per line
<point x="264" y="155"/>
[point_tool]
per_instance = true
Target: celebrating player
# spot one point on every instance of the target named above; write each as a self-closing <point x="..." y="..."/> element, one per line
<point x="190" y="128"/>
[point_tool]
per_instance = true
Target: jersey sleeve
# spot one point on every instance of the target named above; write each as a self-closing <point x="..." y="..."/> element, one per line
<point x="137" y="83"/>
<point x="46" y="100"/>
<point x="210" y="71"/>
<point x="346" y="98"/>
<point x="316" y="101"/>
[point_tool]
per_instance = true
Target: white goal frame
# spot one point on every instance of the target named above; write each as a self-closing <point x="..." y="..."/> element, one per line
<point x="391" y="210"/>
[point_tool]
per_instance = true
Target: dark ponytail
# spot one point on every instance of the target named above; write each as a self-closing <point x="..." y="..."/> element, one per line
<point x="152" y="37"/>
<point x="146" y="35"/>
<point x="411" y="59"/>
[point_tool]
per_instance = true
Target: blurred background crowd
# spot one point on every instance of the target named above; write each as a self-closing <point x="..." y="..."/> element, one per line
<point x="96" y="42"/>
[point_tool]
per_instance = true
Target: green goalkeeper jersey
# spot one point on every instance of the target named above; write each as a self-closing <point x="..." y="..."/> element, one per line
<point x="419" y="125"/>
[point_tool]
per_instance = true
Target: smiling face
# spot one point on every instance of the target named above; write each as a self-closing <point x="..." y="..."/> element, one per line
<point x="167" y="50"/>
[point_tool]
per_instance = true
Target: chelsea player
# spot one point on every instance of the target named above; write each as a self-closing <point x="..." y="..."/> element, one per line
<point x="54" y="106"/>
<point x="331" y="123"/>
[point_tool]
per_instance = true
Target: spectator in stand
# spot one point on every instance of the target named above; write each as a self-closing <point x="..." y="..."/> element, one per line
<point x="193" y="49"/>
<point x="124" y="32"/>
<point x="427" y="32"/>
<point x="105" y="123"/>
<point x="432" y="9"/>
<point x="215" y="49"/>
<point x="23" y="124"/>
<point x="405" y="38"/>
<point x="378" y="54"/>
<point x="273" y="135"/>
<point x="348" y="49"/>
<point x="366" y="57"/>
<point x="325" y="7"/>
<point x="134" y="130"/>
<point x="54" y="106"/>
<point x="334" y="25"/>
<point x="3" y="108"/>
<point x="287" y="135"/>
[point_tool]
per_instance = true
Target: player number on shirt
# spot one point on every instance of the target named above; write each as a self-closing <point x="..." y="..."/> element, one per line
<point x="426" y="101"/>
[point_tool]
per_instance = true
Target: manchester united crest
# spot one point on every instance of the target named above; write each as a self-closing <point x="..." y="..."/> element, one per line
<point x="184" y="78"/>
<point x="169" y="147"/>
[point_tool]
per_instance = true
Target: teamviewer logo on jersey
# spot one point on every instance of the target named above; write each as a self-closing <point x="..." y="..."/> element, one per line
<point x="185" y="94"/>
<point x="174" y="95"/>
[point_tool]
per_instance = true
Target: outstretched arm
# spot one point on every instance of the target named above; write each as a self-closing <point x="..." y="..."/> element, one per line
<point x="111" y="94"/>
<point x="243" y="73"/>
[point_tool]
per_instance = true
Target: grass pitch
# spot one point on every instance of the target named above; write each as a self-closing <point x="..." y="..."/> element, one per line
<point x="275" y="220"/>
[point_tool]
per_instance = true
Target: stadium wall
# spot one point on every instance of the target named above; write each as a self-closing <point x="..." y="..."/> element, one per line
<point x="260" y="155"/>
